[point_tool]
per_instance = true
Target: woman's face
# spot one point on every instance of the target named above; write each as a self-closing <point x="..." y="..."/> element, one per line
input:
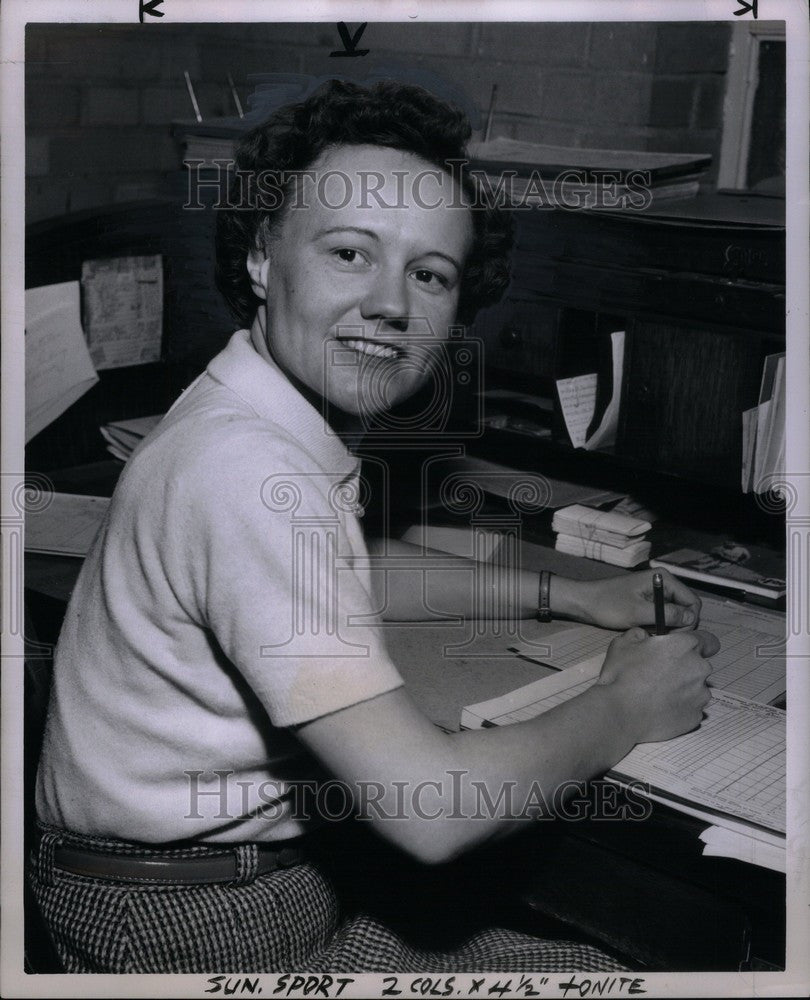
<point x="362" y="280"/>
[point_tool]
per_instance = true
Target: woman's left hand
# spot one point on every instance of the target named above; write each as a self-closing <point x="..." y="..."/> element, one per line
<point x="624" y="601"/>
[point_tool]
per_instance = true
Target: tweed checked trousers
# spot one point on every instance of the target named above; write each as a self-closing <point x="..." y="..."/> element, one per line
<point x="290" y="920"/>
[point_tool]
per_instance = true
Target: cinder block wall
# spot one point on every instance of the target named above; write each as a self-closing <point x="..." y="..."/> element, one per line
<point x="100" y="99"/>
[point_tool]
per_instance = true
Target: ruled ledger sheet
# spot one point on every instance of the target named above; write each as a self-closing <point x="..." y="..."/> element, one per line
<point x="732" y="765"/>
<point x="750" y="662"/>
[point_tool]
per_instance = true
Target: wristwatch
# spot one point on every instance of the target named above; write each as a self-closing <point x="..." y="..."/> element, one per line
<point x="544" y="599"/>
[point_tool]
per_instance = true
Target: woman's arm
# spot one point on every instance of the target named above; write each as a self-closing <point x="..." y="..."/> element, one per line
<point x="445" y="585"/>
<point x="428" y="791"/>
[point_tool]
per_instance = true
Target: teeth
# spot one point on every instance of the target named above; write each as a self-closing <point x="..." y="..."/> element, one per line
<point x="375" y="350"/>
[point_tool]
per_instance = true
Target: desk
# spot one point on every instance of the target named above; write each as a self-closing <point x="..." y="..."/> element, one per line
<point x="641" y="888"/>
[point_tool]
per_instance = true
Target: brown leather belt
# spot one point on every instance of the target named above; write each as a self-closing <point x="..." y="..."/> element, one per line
<point x="192" y="870"/>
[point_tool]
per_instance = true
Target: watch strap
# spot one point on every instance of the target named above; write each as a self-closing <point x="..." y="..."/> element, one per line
<point x="544" y="597"/>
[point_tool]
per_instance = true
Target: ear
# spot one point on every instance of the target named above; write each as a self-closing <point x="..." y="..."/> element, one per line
<point x="258" y="267"/>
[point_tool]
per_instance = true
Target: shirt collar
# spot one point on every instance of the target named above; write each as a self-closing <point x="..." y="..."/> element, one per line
<point x="267" y="390"/>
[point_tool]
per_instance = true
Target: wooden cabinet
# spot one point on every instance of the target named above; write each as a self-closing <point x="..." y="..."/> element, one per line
<point x="699" y="292"/>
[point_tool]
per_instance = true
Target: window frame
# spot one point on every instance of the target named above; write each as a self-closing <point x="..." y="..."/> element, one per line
<point x="742" y="80"/>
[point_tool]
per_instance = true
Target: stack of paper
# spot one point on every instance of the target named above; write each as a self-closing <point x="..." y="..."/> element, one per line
<point x="124" y="436"/>
<point x="764" y="430"/>
<point x="66" y="526"/>
<point x="604" y="535"/>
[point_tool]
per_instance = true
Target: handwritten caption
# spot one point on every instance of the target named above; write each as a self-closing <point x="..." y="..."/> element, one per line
<point x="290" y="984"/>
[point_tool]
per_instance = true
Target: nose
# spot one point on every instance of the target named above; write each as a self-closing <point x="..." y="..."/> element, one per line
<point x="386" y="300"/>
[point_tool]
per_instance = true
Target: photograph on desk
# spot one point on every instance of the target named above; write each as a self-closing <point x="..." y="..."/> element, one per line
<point x="405" y="484"/>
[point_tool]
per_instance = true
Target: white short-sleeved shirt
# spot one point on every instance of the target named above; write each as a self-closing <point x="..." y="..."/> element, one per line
<point x="211" y="614"/>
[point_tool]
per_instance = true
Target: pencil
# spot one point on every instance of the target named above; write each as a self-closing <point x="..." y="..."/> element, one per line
<point x="658" y="602"/>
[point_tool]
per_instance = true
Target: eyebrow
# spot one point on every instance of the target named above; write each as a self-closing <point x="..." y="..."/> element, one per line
<point x="375" y="236"/>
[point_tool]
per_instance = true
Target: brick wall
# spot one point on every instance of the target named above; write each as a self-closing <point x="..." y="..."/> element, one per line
<point x="100" y="99"/>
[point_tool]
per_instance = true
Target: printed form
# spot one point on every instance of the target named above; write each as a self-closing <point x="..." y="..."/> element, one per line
<point x="750" y="662"/>
<point x="734" y="763"/>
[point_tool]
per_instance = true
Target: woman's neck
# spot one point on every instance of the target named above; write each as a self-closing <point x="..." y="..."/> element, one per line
<point x="348" y="426"/>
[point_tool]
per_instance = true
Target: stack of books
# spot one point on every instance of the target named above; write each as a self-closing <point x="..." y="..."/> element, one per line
<point x="603" y="535"/>
<point x="569" y="177"/>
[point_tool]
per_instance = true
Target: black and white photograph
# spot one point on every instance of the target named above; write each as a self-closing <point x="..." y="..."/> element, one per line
<point x="405" y="499"/>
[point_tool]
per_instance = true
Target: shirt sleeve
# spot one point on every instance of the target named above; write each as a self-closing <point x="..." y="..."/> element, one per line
<point x="273" y="578"/>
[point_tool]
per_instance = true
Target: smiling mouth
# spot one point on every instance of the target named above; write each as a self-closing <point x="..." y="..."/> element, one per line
<point x="372" y="348"/>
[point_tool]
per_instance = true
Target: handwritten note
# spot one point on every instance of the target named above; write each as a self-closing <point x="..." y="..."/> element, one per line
<point x="123" y="310"/>
<point x="58" y="369"/>
<point x="578" y="402"/>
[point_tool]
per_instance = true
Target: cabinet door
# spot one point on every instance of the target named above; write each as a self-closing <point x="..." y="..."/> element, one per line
<point x="519" y="336"/>
<point x="685" y="389"/>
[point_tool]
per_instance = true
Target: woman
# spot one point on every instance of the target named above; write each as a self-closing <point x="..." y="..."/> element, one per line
<point x="220" y="652"/>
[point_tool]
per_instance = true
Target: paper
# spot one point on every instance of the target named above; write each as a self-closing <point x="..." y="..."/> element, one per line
<point x="455" y="541"/>
<point x="749" y="421"/>
<point x="634" y="508"/>
<point x="713" y="568"/>
<point x="723" y="843"/>
<point x="67" y="526"/>
<point x="123" y="436"/>
<point x="578" y="402"/>
<point x="743" y="665"/>
<point x="774" y="440"/>
<point x="734" y="763"/>
<point x="605" y="433"/>
<point x="123" y="310"/>
<point x="58" y="369"/>
<point x="569" y="645"/>
<point x="630" y="554"/>
<point x="606" y="526"/>
<point x="764" y="427"/>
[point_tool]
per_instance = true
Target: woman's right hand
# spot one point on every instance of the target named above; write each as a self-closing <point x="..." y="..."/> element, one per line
<point x="661" y="680"/>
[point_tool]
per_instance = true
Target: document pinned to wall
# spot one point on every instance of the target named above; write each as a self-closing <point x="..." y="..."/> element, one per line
<point x="123" y="310"/>
<point x="58" y="367"/>
<point x="578" y="402"/>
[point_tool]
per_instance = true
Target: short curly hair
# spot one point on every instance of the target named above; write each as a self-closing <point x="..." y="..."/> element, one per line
<point x="341" y="113"/>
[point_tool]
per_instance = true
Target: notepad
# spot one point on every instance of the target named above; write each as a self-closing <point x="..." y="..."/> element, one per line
<point x="732" y="765"/>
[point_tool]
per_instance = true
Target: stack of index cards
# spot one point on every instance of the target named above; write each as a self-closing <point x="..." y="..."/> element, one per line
<point x="597" y="534"/>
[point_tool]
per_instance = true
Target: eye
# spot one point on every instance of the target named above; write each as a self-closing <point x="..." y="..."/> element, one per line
<point x="430" y="278"/>
<point x="348" y="255"/>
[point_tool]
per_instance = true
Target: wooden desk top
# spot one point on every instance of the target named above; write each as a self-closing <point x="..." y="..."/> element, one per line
<point x="643" y="888"/>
